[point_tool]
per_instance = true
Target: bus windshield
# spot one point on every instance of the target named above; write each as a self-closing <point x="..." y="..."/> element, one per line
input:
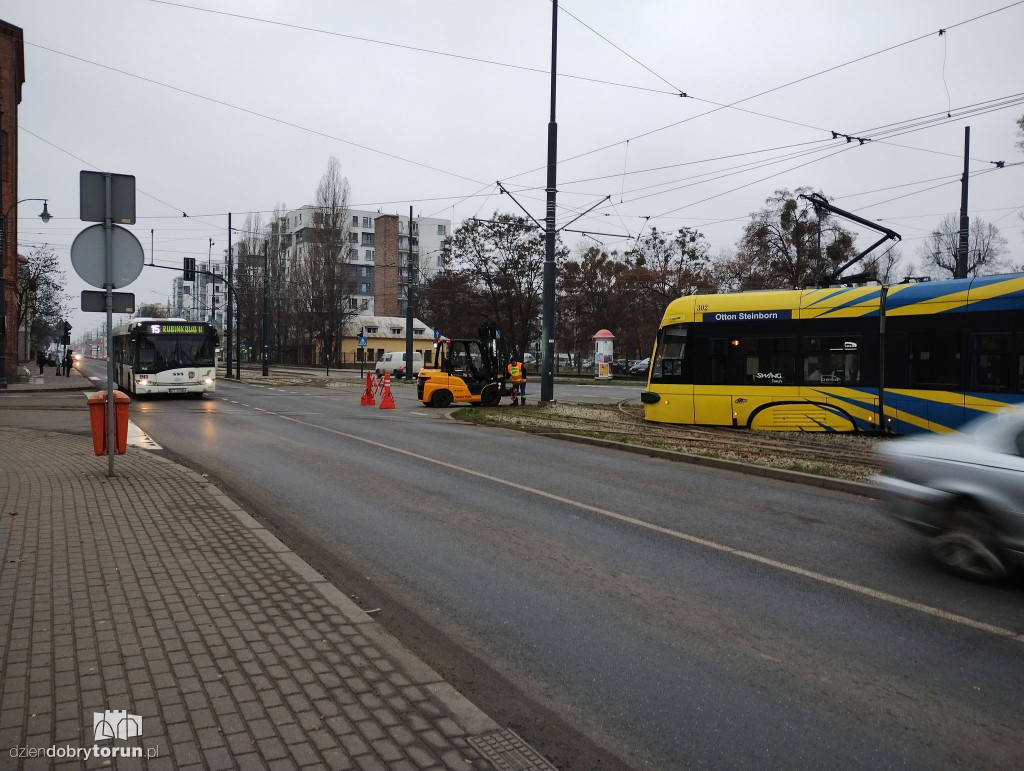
<point x="170" y="351"/>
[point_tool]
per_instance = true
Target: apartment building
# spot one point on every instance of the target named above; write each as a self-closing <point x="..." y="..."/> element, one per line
<point x="370" y="258"/>
<point x="205" y="298"/>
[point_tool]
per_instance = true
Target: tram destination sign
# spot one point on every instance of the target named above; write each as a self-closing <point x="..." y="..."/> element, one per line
<point x="748" y="316"/>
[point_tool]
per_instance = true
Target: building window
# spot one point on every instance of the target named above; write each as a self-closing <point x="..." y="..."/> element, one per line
<point x="364" y="304"/>
<point x="366" y="222"/>
<point x="353" y="254"/>
<point x="367" y="239"/>
<point x="396" y="330"/>
<point x="371" y="330"/>
<point x="355" y="220"/>
<point x="363" y="272"/>
<point x="353" y="238"/>
<point x="364" y="288"/>
<point x="416" y="331"/>
<point x="440" y="230"/>
<point x="369" y="254"/>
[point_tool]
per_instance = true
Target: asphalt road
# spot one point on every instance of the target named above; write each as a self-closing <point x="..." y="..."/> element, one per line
<point x="676" y="616"/>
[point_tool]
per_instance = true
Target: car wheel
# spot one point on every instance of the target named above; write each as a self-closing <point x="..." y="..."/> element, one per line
<point x="490" y="397"/>
<point x="966" y="544"/>
<point x="441" y="398"/>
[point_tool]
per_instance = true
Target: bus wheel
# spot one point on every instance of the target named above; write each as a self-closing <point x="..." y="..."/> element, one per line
<point x="490" y="397"/>
<point x="441" y="398"/>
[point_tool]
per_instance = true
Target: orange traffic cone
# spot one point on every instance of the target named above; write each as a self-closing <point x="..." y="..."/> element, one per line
<point x="368" y="400"/>
<point x="387" y="401"/>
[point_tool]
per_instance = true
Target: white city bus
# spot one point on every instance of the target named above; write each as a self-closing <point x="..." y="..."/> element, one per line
<point x="166" y="356"/>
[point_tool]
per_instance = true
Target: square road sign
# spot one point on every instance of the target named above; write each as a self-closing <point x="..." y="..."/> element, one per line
<point x="93" y="197"/>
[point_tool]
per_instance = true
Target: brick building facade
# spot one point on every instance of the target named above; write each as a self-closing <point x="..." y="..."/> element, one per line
<point x="12" y="75"/>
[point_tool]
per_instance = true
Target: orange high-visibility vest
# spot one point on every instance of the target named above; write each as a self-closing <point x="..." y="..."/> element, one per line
<point x="515" y="372"/>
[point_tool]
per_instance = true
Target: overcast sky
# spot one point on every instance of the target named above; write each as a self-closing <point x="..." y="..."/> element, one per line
<point x="216" y="113"/>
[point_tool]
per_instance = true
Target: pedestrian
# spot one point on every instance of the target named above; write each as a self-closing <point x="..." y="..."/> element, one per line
<point x="41" y="360"/>
<point x="517" y="377"/>
<point x="69" y="362"/>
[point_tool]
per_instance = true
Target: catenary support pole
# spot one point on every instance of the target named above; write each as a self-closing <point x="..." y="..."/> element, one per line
<point x="266" y="311"/>
<point x="965" y="220"/>
<point x="409" y="278"/>
<point x="230" y="316"/>
<point x="547" y="378"/>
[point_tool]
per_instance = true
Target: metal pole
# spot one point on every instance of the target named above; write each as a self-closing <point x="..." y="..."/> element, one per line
<point x="965" y="221"/>
<point x="230" y="302"/>
<point x="408" y="307"/>
<point x="108" y="243"/>
<point x="547" y="380"/>
<point x="266" y="311"/>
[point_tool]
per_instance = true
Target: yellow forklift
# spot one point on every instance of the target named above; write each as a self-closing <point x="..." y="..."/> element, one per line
<point x="465" y="370"/>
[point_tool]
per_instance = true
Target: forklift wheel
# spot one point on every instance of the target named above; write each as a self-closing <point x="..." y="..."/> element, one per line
<point x="491" y="397"/>
<point x="441" y="398"/>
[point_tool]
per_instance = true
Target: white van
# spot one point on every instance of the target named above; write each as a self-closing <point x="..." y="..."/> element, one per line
<point x="394" y="363"/>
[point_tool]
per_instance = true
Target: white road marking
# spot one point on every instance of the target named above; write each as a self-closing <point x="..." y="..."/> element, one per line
<point x="838" y="583"/>
<point x="138" y="438"/>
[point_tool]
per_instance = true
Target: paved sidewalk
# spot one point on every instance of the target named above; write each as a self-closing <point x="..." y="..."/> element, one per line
<point x="50" y="380"/>
<point x="153" y="593"/>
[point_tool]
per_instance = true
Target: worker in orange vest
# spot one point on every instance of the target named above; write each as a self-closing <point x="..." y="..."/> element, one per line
<point x="517" y="377"/>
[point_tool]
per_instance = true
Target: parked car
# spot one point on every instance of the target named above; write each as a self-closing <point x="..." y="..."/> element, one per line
<point x="621" y="366"/>
<point x="529" y="358"/>
<point x="394" y="363"/>
<point x="964" y="490"/>
<point x="641" y="367"/>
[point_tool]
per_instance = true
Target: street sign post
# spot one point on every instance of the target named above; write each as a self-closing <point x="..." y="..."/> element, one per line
<point x="108" y="257"/>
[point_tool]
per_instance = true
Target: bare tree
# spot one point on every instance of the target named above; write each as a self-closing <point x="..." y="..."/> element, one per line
<point x="502" y="260"/>
<point x="321" y="269"/>
<point x="985" y="249"/>
<point x="248" y="280"/>
<point x="779" y="248"/>
<point x="41" y="301"/>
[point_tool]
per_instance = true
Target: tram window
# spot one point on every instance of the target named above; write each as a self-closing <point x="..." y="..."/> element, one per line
<point x="990" y="362"/>
<point x="832" y="360"/>
<point x="719" y="349"/>
<point x="935" y="360"/>
<point x="770" y="361"/>
<point x="671" y="351"/>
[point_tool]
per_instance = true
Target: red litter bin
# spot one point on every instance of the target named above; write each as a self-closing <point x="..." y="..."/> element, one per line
<point x="98" y="420"/>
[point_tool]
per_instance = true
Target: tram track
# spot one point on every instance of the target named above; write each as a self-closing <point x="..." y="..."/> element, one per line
<point x="844" y="456"/>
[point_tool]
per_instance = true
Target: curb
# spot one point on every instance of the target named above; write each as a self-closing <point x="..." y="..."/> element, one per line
<point x="799" y="477"/>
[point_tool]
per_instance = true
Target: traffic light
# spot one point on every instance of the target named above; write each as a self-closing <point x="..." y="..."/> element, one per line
<point x="65" y="338"/>
<point x="190" y="269"/>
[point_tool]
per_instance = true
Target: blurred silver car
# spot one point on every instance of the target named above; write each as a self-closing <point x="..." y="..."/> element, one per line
<point x="965" y="490"/>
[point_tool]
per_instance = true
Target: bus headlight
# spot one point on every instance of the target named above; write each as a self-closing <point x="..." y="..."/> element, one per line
<point x="208" y="381"/>
<point x="143" y="381"/>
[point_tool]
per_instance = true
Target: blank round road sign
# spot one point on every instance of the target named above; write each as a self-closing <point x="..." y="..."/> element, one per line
<point x="89" y="260"/>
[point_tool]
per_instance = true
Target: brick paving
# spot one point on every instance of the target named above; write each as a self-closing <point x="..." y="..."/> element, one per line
<point x="152" y="592"/>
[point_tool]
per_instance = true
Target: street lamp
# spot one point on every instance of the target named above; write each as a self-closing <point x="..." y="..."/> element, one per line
<point x="45" y="217"/>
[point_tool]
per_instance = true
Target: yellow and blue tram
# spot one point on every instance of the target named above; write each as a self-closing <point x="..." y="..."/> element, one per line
<point x="903" y="359"/>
